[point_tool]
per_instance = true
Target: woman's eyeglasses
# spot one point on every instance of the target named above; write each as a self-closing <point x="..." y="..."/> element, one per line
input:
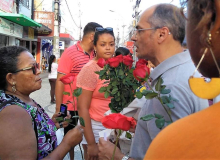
<point x="100" y="29"/>
<point x="34" y="68"/>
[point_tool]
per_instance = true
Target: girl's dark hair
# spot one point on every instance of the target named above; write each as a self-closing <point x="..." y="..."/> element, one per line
<point x="98" y="33"/>
<point x="123" y="51"/>
<point x="51" y="59"/>
<point x="8" y="62"/>
<point x="202" y="13"/>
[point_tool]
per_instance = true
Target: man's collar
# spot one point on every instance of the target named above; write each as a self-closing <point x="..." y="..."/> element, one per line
<point x="169" y="63"/>
<point x="79" y="48"/>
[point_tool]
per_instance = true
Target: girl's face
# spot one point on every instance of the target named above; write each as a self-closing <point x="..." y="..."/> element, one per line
<point x="105" y="47"/>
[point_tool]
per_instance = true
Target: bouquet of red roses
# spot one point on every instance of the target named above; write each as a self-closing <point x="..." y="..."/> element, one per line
<point x="122" y="84"/>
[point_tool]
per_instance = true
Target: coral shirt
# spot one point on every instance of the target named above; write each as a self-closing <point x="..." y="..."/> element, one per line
<point x="87" y="79"/>
<point x="72" y="61"/>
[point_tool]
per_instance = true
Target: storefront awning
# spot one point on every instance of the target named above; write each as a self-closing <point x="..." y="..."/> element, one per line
<point x="20" y="19"/>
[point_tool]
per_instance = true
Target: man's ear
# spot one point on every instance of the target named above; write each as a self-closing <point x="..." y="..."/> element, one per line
<point x="10" y="78"/>
<point x="163" y="34"/>
<point x="92" y="37"/>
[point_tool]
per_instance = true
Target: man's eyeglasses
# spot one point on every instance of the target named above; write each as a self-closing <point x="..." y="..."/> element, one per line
<point x="100" y="29"/>
<point x="34" y="68"/>
<point x="134" y="32"/>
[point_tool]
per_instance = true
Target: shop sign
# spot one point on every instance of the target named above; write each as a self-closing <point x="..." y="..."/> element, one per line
<point x="61" y="45"/>
<point x="45" y="18"/>
<point x="10" y="28"/>
<point x="30" y="33"/>
<point x="7" y="5"/>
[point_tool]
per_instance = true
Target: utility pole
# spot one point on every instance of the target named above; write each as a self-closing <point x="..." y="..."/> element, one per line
<point x="123" y="38"/>
<point x="56" y="38"/>
<point x="135" y="16"/>
<point x="80" y="27"/>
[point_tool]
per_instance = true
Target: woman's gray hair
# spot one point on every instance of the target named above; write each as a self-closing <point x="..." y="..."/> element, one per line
<point x="168" y="15"/>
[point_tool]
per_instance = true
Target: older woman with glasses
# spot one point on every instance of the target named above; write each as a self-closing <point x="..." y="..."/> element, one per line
<point x="27" y="132"/>
<point x="91" y="104"/>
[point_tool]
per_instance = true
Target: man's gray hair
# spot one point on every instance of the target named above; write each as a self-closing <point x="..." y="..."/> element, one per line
<point x="168" y="15"/>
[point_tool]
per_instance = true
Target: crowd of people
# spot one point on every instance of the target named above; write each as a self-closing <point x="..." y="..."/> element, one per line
<point x="158" y="37"/>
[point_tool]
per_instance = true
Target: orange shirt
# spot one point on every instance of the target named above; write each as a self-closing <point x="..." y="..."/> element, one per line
<point x="87" y="79"/>
<point x="195" y="137"/>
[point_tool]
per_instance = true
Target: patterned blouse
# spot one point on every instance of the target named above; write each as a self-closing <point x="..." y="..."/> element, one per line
<point x="43" y="126"/>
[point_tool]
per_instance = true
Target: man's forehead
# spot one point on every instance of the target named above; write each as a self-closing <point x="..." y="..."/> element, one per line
<point x="145" y="16"/>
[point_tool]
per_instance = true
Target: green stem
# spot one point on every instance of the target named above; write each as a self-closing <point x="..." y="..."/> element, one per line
<point x="158" y="97"/>
<point x="116" y="143"/>
<point x="73" y="103"/>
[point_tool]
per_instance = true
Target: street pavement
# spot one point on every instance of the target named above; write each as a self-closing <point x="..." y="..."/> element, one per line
<point x="42" y="97"/>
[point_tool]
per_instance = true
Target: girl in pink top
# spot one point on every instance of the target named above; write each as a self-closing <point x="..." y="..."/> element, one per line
<point x="91" y="104"/>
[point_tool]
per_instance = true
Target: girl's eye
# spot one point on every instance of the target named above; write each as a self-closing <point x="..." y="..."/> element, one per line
<point x="102" y="45"/>
<point x="112" y="44"/>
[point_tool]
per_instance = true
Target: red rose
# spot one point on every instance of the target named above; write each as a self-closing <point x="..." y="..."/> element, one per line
<point x="127" y="60"/>
<point x="113" y="62"/>
<point x="120" y="58"/>
<point x="141" y="62"/>
<point x="140" y="72"/>
<point x="67" y="79"/>
<point x="118" y="121"/>
<point x="101" y="62"/>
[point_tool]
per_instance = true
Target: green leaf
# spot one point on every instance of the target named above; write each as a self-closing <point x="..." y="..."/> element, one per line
<point x="66" y="93"/>
<point x="106" y="95"/>
<point x="68" y="120"/>
<point x="168" y="122"/>
<point x="160" y="123"/>
<point x="115" y="90"/>
<point x="109" y="88"/>
<point x="121" y="72"/>
<point x="151" y="95"/>
<point x="165" y="99"/>
<point x="114" y="83"/>
<point x="165" y="91"/>
<point x="158" y="85"/>
<point x="170" y="105"/>
<point x="148" y="117"/>
<point x="173" y="99"/>
<point x="162" y="87"/>
<point x="97" y="72"/>
<point x="145" y="92"/>
<point x="82" y="122"/>
<point x="139" y="95"/>
<point x="102" y="72"/>
<point x="59" y="119"/>
<point x="77" y="92"/>
<point x="158" y="116"/>
<point x="102" y="89"/>
<point x="128" y="135"/>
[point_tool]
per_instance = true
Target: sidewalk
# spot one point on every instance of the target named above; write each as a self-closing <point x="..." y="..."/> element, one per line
<point x="42" y="97"/>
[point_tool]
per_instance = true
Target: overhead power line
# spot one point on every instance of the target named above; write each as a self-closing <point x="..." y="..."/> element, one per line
<point x="71" y="14"/>
<point x="39" y="5"/>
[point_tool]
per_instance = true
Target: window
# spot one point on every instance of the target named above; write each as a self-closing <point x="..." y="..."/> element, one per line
<point x="25" y="3"/>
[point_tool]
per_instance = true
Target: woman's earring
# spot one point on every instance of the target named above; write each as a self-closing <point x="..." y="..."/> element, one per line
<point x="201" y="88"/>
<point x="13" y="87"/>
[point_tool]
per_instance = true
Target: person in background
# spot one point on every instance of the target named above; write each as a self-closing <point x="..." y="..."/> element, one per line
<point x="91" y="104"/>
<point x="123" y="51"/>
<point x="52" y="69"/>
<point x="158" y="37"/>
<point x="72" y="61"/>
<point x="27" y="132"/>
<point x="42" y="64"/>
<point x="196" y="136"/>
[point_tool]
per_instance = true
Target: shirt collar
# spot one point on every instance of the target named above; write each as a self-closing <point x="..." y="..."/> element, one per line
<point x="169" y="63"/>
<point x="79" y="48"/>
